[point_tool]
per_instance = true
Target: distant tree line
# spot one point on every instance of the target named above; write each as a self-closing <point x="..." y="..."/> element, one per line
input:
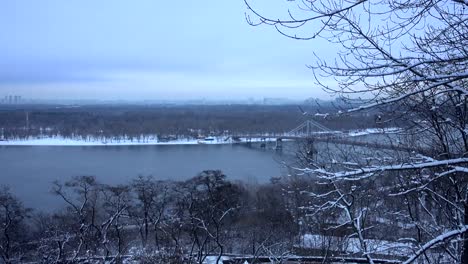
<point x="135" y="121"/>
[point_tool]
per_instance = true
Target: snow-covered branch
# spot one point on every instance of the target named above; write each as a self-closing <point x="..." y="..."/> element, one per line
<point x="370" y="171"/>
<point x="442" y="238"/>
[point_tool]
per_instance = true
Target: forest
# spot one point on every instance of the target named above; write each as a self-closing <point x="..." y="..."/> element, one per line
<point x="180" y="120"/>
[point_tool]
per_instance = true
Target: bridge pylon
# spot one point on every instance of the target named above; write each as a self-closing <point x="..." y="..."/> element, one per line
<point x="308" y="129"/>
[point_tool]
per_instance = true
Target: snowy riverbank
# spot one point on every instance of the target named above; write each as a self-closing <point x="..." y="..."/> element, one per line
<point x="153" y="140"/>
<point x="61" y="141"/>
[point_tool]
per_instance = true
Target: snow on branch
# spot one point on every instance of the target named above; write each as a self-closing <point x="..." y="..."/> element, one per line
<point x="370" y="171"/>
<point x="406" y="95"/>
<point x="444" y="237"/>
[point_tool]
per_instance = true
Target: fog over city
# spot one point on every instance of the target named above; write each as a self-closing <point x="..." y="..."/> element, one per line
<point x="165" y="50"/>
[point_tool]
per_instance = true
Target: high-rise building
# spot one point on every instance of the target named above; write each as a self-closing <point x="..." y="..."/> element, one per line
<point x="11" y="99"/>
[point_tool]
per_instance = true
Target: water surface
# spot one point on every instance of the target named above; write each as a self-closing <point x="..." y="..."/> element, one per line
<point x="30" y="171"/>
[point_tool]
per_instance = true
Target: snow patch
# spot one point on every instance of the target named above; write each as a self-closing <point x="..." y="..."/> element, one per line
<point x="352" y="245"/>
<point x="62" y="141"/>
<point x="369" y="131"/>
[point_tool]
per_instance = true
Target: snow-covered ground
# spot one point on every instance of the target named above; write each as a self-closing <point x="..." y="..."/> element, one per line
<point x="212" y="259"/>
<point x="352" y="245"/>
<point x="369" y="131"/>
<point x="153" y="140"/>
<point x="62" y="141"/>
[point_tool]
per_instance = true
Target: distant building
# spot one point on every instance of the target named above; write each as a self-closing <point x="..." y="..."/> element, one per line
<point x="275" y="101"/>
<point x="11" y="99"/>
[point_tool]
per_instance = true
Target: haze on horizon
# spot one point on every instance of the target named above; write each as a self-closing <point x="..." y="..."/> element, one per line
<point x="150" y="50"/>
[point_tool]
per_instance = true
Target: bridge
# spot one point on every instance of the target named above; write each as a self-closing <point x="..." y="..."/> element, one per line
<point x="314" y="131"/>
<point x="308" y="129"/>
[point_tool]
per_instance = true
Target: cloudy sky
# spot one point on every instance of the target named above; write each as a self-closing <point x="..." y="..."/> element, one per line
<point x="149" y="49"/>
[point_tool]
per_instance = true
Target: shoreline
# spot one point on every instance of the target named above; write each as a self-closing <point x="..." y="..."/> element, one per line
<point x="62" y="142"/>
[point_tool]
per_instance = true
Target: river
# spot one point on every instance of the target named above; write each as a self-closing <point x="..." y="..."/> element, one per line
<point x="30" y="171"/>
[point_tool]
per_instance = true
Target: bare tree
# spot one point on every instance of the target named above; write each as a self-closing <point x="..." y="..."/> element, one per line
<point x="152" y="197"/>
<point x="12" y="216"/>
<point x="81" y="194"/>
<point x="412" y="57"/>
<point x="95" y="219"/>
<point x="116" y="203"/>
<point x="211" y="200"/>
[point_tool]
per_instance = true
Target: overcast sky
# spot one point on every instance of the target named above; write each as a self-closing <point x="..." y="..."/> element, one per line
<point x="149" y="49"/>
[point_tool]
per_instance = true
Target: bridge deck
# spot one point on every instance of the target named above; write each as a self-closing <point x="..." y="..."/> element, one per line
<point x="337" y="138"/>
